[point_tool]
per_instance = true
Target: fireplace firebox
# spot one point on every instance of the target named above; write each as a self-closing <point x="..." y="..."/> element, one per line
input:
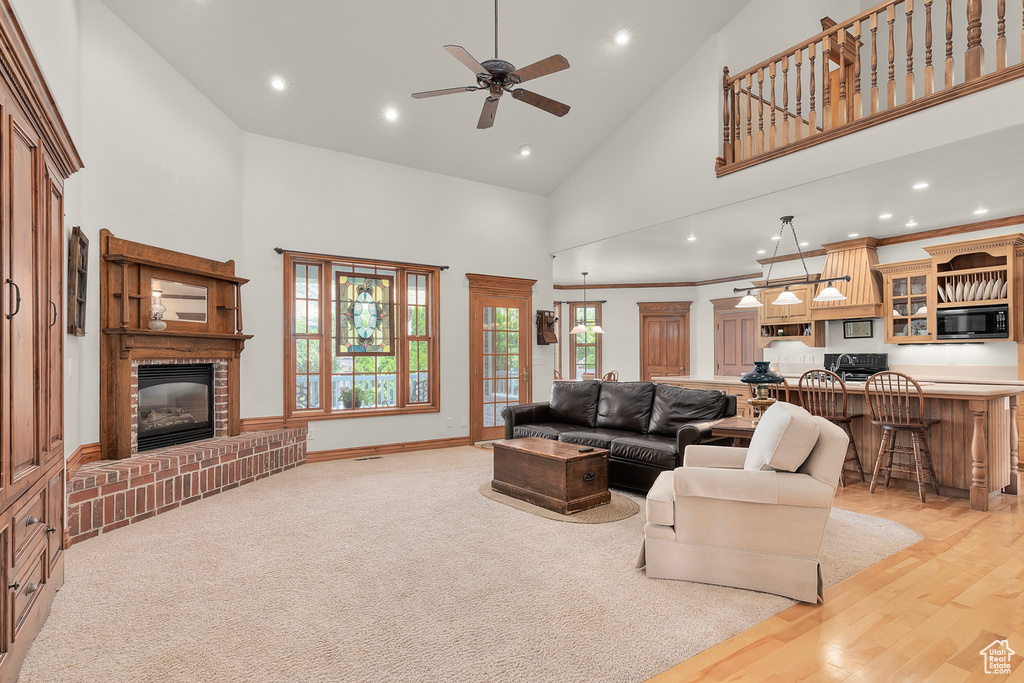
<point x="175" y="404"/>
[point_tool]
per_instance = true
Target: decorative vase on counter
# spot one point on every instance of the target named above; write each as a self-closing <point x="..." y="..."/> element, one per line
<point x="762" y="378"/>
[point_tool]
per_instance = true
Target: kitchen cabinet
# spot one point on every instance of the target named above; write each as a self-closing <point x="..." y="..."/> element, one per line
<point x="909" y="311"/>
<point x="789" y="323"/>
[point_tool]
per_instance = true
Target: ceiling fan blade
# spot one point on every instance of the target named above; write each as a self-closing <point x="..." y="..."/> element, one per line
<point x="447" y="91"/>
<point x="463" y="56"/>
<point x="487" y="114"/>
<point x="552" y="64"/>
<point x="546" y="103"/>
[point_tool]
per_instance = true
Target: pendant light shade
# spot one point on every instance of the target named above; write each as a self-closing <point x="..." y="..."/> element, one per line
<point x="749" y="301"/>
<point x="830" y="293"/>
<point x="787" y="298"/>
<point x="579" y="329"/>
<point x="596" y="329"/>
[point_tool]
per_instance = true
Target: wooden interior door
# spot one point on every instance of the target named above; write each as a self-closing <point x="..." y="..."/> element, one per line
<point x="664" y="339"/>
<point x="500" y="351"/>
<point x="736" y="331"/>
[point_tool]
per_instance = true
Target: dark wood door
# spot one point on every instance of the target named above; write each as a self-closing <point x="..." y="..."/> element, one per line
<point x="53" y="304"/>
<point x="736" y="346"/>
<point x="664" y="339"/>
<point x="500" y="351"/>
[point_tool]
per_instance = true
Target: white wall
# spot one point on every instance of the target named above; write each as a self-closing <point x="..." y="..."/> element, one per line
<point x="309" y="199"/>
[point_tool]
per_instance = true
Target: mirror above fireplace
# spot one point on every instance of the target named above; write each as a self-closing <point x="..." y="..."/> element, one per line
<point x="184" y="302"/>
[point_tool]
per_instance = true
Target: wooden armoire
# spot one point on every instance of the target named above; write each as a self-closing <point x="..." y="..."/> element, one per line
<point x="36" y="156"/>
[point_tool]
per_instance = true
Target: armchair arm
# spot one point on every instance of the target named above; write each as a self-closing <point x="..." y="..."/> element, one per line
<point x="524" y="414"/>
<point x="752" y="486"/>
<point x="722" y="457"/>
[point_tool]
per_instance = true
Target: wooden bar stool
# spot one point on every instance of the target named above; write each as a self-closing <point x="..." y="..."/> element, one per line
<point x="612" y="376"/>
<point x="823" y="393"/>
<point x="897" y="405"/>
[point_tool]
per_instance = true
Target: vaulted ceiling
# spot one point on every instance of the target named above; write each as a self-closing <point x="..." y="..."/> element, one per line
<point x="346" y="61"/>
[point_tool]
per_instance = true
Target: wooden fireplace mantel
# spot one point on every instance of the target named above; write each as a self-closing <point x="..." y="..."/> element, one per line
<point x="126" y="273"/>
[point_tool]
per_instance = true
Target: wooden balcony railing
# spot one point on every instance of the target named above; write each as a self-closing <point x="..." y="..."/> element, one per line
<point x="830" y="85"/>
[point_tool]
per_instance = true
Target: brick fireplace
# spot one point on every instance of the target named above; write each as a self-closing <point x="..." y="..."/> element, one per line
<point x="221" y="406"/>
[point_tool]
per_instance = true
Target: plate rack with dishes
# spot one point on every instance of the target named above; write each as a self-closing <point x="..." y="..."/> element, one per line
<point x="973" y="286"/>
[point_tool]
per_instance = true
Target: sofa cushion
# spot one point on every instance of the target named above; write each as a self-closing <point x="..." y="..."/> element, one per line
<point x="625" y="405"/>
<point x="675" y="406"/>
<point x="783" y="439"/>
<point x="575" y="403"/>
<point x="650" y="449"/>
<point x="544" y="430"/>
<point x="598" y="438"/>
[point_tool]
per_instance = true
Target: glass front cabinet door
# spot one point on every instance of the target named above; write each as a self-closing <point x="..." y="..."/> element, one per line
<point x="909" y="314"/>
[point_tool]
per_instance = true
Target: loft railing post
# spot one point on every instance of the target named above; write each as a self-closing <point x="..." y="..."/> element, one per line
<point x="1001" y="36"/>
<point x="737" y="135"/>
<point x="929" y="72"/>
<point x="826" y="90"/>
<point x="726" y="119"/>
<point x="949" y="80"/>
<point x="909" y="82"/>
<point x="974" y="59"/>
<point x="798" y="132"/>
<point x="858" y="107"/>
<point x="874" y="63"/>
<point x="812" y="114"/>
<point x="771" y="128"/>
<point x="890" y="86"/>
<point x="785" y="100"/>
<point x="760" y="111"/>
<point x="842" y="78"/>
<point x="750" y="139"/>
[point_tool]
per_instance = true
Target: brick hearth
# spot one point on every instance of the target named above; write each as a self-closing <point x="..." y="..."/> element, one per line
<point x="110" y="494"/>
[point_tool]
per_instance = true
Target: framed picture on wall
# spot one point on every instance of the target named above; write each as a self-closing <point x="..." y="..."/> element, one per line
<point x="858" y="329"/>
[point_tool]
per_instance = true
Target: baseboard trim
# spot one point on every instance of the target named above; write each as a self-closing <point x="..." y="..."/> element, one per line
<point x="262" y="424"/>
<point x="384" y="449"/>
<point x="87" y="452"/>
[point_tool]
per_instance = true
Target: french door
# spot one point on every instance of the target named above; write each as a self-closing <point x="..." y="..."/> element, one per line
<point x="500" y="351"/>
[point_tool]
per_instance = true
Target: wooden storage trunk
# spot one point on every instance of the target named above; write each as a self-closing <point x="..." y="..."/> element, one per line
<point x="551" y="474"/>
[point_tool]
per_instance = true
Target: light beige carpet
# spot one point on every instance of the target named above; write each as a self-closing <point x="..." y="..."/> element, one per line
<point x="393" y="569"/>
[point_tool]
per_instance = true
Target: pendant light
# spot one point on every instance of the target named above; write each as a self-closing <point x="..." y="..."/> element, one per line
<point x="786" y="297"/>
<point x="581" y="327"/>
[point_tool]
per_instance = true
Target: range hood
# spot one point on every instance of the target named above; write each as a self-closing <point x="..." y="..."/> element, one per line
<point x="863" y="292"/>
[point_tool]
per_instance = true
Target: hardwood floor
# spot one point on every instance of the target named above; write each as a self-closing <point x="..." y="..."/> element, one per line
<point x="921" y="614"/>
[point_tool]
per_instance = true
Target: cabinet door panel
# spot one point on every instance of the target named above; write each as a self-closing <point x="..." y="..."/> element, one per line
<point x="53" y="366"/>
<point x="23" y="368"/>
<point x="55" y="521"/>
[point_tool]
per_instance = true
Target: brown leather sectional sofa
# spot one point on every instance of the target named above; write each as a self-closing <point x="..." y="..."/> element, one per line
<point x="645" y="426"/>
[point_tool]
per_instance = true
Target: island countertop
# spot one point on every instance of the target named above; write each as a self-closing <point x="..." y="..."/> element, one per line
<point x="973" y="446"/>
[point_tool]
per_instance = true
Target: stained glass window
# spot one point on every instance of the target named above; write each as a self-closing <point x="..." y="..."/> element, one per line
<point x="365" y="315"/>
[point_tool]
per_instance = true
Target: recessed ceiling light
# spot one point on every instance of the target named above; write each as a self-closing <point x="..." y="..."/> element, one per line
<point x="622" y="36"/>
<point x="391" y="113"/>
<point x="911" y="223"/>
<point x="691" y="238"/>
<point x="761" y="251"/>
<point x="854" y="234"/>
<point x="804" y="244"/>
<point x="525" y="150"/>
<point x="776" y="237"/>
<point x="885" y="216"/>
<point x="920" y="186"/>
<point x="278" y="82"/>
<point x="980" y="210"/>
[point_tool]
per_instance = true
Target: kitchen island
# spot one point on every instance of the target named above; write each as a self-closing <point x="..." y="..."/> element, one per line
<point x="973" y="447"/>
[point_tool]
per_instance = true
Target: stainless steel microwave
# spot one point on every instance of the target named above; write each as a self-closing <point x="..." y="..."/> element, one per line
<point x="979" y="322"/>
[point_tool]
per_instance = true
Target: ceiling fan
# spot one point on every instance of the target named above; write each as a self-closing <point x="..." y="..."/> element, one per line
<point x="498" y="77"/>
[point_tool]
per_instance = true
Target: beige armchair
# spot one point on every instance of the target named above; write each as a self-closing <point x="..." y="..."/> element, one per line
<point x="749" y="517"/>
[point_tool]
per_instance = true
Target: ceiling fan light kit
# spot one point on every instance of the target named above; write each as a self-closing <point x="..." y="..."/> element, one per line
<point x="498" y="76"/>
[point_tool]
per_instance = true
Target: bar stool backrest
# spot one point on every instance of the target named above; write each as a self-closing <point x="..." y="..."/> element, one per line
<point x="780" y="392"/>
<point x="822" y="393"/>
<point x="894" y="398"/>
<point x="612" y="376"/>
